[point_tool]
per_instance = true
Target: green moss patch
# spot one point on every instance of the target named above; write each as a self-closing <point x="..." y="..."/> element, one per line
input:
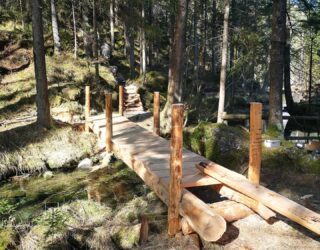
<point x="220" y="143"/>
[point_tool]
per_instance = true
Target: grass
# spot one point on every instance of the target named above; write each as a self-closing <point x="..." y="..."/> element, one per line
<point x="18" y="91"/>
<point x="33" y="149"/>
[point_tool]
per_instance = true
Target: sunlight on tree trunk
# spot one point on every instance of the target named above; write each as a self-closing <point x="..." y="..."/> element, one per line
<point x="55" y="28"/>
<point x="277" y="62"/>
<point x="223" y="73"/>
<point x="42" y="100"/>
<point x="176" y="66"/>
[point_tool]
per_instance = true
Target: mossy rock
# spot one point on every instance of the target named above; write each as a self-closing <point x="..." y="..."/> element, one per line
<point x="132" y="210"/>
<point x="7" y="238"/>
<point x="127" y="237"/>
<point x="220" y="143"/>
<point x="71" y="93"/>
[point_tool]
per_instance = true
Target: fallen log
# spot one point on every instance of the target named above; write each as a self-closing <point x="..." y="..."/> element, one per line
<point x="264" y="212"/>
<point x="230" y="210"/>
<point x="288" y="208"/>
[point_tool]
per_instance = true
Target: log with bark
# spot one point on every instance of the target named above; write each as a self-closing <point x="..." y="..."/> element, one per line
<point x="271" y="199"/>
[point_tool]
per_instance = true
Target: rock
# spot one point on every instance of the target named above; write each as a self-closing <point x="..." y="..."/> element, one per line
<point x="70" y="93"/>
<point x="85" y="164"/>
<point x="107" y="159"/>
<point x="127" y="237"/>
<point x="63" y="159"/>
<point x="48" y="174"/>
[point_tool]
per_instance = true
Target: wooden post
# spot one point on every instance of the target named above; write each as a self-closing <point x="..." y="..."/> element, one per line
<point x="121" y="97"/>
<point x="108" y="111"/>
<point x="175" y="169"/>
<point x="87" y="108"/>
<point x="255" y="142"/>
<point x="156" y="113"/>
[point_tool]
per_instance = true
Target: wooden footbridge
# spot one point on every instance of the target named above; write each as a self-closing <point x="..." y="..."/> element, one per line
<point x="169" y="170"/>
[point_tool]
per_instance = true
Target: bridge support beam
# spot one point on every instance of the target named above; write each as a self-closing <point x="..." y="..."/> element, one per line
<point x="255" y="142"/>
<point x="121" y="99"/>
<point x="175" y="188"/>
<point x="156" y="113"/>
<point x="87" y="108"/>
<point x="108" y="97"/>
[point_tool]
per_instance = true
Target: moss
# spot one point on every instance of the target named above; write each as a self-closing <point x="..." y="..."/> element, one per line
<point x="220" y="143"/>
<point x="272" y="132"/>
<point x="7" y="238"/>
<point x="290" y="158"/>
<point x="127" y="237"/>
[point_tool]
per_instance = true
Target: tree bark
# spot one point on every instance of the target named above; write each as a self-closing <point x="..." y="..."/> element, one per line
<point x="112" y="24"/>
<point x="223" y="73"/>
<point x="143" y="58"/>
<point x="214" y="34"/>
<point x="95" y="40"/>
<point x="287" y="77"/>
<point x="42" y="99"/>
<point x="74" y="29"/>
<point x="175" y="68"/>
<point x="55" y="28"/>
<point x="277" y="62"/>
<point x="21" y="13"/>
<point x="310" y="72"/>
<point x="196" y="34"/>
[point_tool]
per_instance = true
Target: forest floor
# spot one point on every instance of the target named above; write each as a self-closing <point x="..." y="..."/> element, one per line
<point x="45" y="202"/>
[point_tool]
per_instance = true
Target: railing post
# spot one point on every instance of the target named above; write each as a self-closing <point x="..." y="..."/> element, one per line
<point x="255" y="142"/>
<point x="175" y="169"/>
<point x="121" y="99"/>
<point x="87" y="107"/>
<point x="108" y="97"/>
<point x="156" y="113"/>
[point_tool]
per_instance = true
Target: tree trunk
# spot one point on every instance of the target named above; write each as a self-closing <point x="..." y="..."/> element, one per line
<point x="143" y="45"/>
<point x="310" y="72"/>
<point x="214" y="34"/>
<point x="74" y="30"/>
<point x="87" y="38"/>
<point x="21" y="13"/>
<point x="126" y="40"/>
<point x="224" y="55"/>
<point x="175" y="67"/>
<point x="131" y="53"/>
<point x="129" y="45"/>
<point x="196" y="30"/>
<point x="277" y="62"/>
<point x="95" y="41"/>
<point x="111" y="24"/>
<point x="42" y="99"/>
<point x="287" y="77"/>
<point x="55" y="28"/>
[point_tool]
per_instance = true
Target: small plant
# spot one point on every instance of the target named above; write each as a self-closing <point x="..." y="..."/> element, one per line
<point x="54" y="220"/>
<point x="6" y="208"/>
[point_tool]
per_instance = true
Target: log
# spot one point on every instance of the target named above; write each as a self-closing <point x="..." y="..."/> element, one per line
<point x="175" y="169"/>
<point x="208" y="224"/>
<point x="240" y="117"/>
<point x="256" y="206"/>
<point x="156" y="113"/>
<point x="288" y="208"/>
<point x="108" y="104"/>
<point x="144" y="230"/>
<point x="121" y="99"/>
<point x="87" y="108"/>
<point x="185" y="227"/>
<point x="231" y="210"/>
<point x="255" y="142"/>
